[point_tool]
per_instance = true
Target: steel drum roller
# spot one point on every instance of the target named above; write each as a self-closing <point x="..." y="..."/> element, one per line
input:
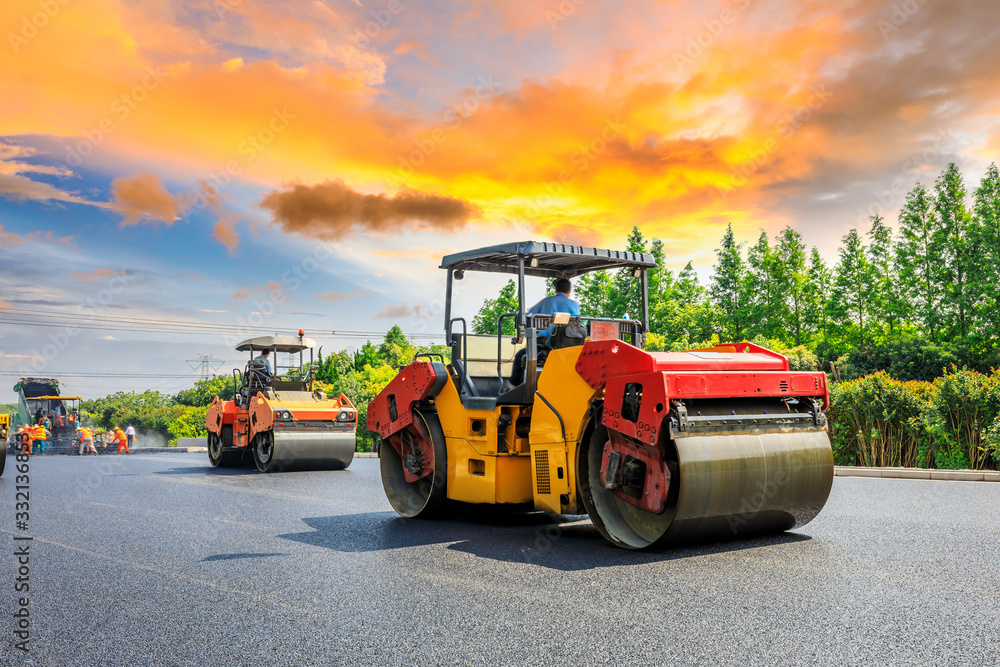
<point x="724" y="486"/>
<point x="317" y="450"/>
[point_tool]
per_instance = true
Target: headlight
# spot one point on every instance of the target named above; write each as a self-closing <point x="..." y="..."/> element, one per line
<point x="345" y="416"/>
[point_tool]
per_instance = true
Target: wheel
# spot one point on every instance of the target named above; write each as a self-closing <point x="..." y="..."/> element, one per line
<point x="3" y="459"/>
<point x="263" y="452"/>
<point x="215" y="455"/>
<point x="219" y="455"/>
<point x="619" y="522"/>
<point x="424" y="497"/>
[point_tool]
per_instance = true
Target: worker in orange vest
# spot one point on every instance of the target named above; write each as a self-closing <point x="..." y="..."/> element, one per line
<point x="40" y="437"/>
<point x="120" y="436"/>
<point x="24" y="435"/>
<point x="86" y="441"/>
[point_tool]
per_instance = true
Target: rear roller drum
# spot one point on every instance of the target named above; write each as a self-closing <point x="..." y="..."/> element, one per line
<point x="217" y="454"/>
<point x="418" y="450"/>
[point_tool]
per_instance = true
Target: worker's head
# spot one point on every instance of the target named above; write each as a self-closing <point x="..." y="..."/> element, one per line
<point x="264" y="353"/>
<point x="563" y="286"/>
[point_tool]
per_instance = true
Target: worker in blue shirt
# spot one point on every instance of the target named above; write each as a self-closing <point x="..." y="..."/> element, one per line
<point x="560" y="302"/>
<point x="261" y="364"/>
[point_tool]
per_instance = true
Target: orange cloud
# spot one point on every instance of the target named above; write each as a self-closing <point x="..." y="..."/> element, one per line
<point x="331" y="210"/>
<point x="39" y="236"/>
<point x="398" y="311"/>
<point x="90" y="276"/>
<point x="595" y="127"/>
<point x="274" y="290"/>
<point x="142" y="196"/>
<point x="339" y="296"/>
<point x="225" y="234"/>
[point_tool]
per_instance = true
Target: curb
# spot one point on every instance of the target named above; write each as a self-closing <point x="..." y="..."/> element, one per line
<point x="164" y="450"/>
<point x="918" y="473"/>
<point x="365" y="455"/>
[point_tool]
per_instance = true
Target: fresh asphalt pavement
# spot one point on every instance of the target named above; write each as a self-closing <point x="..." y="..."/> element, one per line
<point x="162" y="560"/>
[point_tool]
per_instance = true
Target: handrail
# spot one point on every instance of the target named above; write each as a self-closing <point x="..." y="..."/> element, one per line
<point x="429" y="355"/>
<point x="465" y="348"/>
<point x="500" y="344"/>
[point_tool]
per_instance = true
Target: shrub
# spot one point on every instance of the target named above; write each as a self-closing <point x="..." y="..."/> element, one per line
<point x="878" y="421"/>
<point x="964" y="407"/>
<point x="188" y="423"/>
<point x="903" y="359"/>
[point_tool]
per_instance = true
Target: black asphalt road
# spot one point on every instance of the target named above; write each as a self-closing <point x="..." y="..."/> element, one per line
<point x="161" y="560"/>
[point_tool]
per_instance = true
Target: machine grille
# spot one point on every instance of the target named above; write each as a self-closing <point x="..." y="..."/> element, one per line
<point x="542" y="472"/>
<point x="783" y="385"/>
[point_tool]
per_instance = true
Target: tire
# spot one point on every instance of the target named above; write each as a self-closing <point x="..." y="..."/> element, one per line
<point x="226" y="456"/>
<point x="426" y="498"/>
<point x="263" y="452"/>
<point x="3" y="459"/>
<point x="215" y="453"/>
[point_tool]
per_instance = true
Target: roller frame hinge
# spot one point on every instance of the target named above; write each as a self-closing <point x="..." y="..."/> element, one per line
<point x="678" y="417"/>
<point x="816" y="408"/>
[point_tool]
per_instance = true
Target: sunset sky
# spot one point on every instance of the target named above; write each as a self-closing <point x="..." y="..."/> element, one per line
<point x="186" y="160"/>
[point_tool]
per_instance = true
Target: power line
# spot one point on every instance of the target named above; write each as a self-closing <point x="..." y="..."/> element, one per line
<point x="53" y="319"/>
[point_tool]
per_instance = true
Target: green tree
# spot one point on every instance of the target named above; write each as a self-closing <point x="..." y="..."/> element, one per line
<point x="987" y="211"/>
<point x="593" y="291"/>
<point x="395" y="349"/>
<point x="888" y="306"/>
<point x="766" y="300"/>
<point x="728" y="287"/>
<point x="918" y="258"/>
<point x="792" y="277"/>
<point x="850" y="300"/>
<point x="204" y="391"/>
<point x="954" y="236"/>
<point x="816" y="294"/>
<point x="485" y="321"/>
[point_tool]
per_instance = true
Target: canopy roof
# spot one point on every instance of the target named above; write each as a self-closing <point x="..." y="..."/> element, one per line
<point x="546" y="260"/>
<point x="282" y="343"/>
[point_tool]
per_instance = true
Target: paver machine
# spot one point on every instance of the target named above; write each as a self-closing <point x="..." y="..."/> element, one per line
<point x="656" y="447"/>
<point x="280" y="421"/>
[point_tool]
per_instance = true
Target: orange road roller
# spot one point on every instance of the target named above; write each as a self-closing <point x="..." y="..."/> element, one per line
<point x="658" y="448"/>
<point x="280" y="421"/>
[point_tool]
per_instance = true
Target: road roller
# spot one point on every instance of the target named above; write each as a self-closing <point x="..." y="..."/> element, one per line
<point x="281" y="422"/>
<point x="658" y="448"/>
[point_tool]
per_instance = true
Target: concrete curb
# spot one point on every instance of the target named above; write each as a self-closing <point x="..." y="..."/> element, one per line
<point x="164" y="450"/>
<point x="365" y="455"/>
<point x="918" y="473"/>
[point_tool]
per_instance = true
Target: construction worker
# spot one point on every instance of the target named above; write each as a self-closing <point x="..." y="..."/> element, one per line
<point x="122" y="443"/>
<point x="24" y="435"/>
<point x="40" y="438"/>
<point x="130" y="435"/>
<point x="86" y="438"/>
<point x="57" y="413"/>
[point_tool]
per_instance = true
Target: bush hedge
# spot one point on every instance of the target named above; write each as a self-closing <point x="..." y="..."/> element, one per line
<point x="952" y="422"/>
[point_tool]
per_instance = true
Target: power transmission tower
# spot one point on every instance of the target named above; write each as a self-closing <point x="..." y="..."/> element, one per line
<point x="206" y="364"/>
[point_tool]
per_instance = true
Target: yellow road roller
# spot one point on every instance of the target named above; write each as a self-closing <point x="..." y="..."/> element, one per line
<point x="658" y="448"/>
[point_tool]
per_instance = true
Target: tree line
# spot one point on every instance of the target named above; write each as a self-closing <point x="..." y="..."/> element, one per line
<point x="926" y="291"/>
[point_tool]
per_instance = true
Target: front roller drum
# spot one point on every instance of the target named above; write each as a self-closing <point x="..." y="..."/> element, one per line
<point x="722" y="487"/>
<point x="415" y="467"/>
<point x="279" y="451"/>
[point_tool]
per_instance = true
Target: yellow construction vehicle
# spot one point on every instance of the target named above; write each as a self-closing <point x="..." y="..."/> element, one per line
<point x="656" y="447"/>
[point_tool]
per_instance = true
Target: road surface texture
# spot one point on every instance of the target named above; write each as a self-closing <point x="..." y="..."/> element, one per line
<point x="162" y="560"/>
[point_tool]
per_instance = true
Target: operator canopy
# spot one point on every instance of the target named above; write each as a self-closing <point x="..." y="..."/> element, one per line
<point x="546" y="260"/>
<point x="278" y="343"/>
